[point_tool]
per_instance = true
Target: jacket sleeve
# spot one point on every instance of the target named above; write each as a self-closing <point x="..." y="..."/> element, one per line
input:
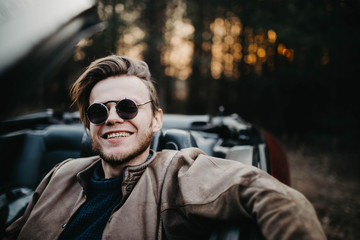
<point x="14" y="229"/>
<point x="226" y="190"/>
<point x="281" y="212"/>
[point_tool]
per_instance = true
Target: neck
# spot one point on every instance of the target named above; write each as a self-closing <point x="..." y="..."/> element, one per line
<point x="115" y="170"/>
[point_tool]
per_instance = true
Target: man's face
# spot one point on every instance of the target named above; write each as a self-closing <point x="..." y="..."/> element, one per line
<point x="118" y="141"/>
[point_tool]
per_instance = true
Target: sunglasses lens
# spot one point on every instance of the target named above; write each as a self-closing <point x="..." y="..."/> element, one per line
<point x="127" y="109"/>
<point x="97" y="113"/>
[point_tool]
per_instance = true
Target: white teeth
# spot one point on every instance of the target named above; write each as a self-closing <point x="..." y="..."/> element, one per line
<point x="118" y="134"/>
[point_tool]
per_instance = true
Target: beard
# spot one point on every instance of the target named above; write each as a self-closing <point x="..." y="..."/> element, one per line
<point x="119" y="159"/>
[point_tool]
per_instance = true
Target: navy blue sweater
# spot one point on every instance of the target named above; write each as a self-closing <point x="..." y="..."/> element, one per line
<point x="90" y="220"/>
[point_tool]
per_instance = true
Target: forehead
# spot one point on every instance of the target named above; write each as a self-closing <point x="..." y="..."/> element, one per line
<point x="119" y="87"/>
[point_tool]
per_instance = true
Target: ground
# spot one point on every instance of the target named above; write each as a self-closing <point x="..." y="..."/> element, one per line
<point x="329" y="180"/>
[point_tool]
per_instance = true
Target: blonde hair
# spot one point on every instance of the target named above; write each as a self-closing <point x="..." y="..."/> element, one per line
<point x="104" y="68"/>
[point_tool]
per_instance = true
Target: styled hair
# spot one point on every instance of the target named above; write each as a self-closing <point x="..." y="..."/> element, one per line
<point x="104" y="68"/>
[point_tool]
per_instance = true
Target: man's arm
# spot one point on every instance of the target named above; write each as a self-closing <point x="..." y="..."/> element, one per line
<point x="281" y="212"/>
<point x="227" y="192"/>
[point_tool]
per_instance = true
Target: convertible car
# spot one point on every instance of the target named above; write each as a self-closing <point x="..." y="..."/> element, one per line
<point x="32" y="144"/>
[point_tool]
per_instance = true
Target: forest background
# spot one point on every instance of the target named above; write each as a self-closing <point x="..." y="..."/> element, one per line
<point x="289" y="67"/>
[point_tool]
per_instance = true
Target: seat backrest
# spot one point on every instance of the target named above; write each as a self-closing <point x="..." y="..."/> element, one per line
<point x="9" y="148"/>
<point x="42" y="150"/>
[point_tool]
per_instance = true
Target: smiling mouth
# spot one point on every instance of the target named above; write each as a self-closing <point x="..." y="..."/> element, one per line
<point x="117" y="135"/>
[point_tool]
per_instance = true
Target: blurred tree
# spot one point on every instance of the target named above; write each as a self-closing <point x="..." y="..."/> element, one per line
<point x="154" y="23"/>
<point x="290" y="67"/>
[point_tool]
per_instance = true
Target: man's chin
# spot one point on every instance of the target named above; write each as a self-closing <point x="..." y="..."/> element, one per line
<point x="115" y="159"/>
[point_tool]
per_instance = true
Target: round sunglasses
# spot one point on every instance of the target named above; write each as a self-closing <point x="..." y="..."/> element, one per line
<point x="127" y="109"/>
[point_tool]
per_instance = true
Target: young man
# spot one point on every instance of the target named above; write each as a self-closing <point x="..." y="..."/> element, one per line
<point x="131" y="192"/>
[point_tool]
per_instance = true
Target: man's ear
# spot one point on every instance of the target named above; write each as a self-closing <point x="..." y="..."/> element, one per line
<point x="157" y="120"/>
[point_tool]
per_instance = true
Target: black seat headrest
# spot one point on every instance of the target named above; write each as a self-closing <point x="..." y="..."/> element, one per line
<point x="156" y="140"/>
<point x="86" y="149"/>
<point x="177" y="139"/>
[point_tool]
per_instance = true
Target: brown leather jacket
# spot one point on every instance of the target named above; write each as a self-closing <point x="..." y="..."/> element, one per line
<point x="175" y="195"/>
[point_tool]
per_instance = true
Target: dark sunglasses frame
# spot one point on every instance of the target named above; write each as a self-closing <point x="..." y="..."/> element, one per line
<point x="121" y="110"/>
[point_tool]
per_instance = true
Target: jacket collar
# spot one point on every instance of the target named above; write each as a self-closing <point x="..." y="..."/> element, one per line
<point x="133" y="173"/>
<point x="130" y="174"/>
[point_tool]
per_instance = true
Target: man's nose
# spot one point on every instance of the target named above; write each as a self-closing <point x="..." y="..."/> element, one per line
<point x="113" y="116"/>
